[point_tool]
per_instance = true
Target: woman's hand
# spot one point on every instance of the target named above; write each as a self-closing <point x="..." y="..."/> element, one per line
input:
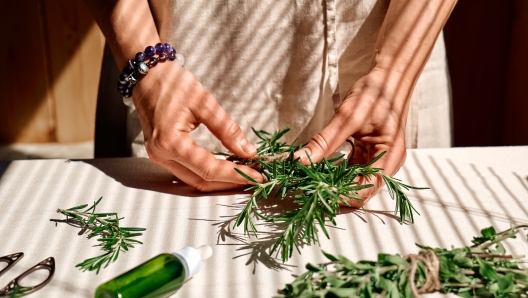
<point x="374" y="113"/>
<point x="375" y="110"/>
<point x="171" y="103"/>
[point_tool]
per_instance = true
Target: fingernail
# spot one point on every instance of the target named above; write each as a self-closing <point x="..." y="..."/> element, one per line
<point x="260" y="178"/>
<point x="247" y="147"/>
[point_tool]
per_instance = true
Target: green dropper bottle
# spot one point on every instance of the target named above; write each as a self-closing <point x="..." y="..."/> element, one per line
<point x="160" y="276"/>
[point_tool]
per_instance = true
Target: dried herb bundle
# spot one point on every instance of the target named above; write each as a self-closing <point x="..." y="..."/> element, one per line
<point x="112" y="237"/>
<point x="319" y="189"/>
<point x="481" y="270"/>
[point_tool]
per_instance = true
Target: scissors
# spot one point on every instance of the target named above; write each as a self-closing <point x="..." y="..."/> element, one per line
<point x="14" y="285"/>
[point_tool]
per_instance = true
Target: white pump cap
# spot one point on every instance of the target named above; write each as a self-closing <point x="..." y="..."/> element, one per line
<point x="192" y="258"/>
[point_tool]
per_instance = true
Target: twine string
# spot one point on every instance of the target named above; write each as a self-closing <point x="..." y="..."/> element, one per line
<point x="253" y="162"/>
<point x="432" y="267"/>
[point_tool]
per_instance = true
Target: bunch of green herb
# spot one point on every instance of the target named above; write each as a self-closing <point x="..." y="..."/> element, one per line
<point x="105" y="226"/>
<point x="481" y="270"/>
<point x="319" y="190"/>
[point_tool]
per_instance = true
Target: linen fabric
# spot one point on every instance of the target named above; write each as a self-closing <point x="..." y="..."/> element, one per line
<point x="272" y="64"/>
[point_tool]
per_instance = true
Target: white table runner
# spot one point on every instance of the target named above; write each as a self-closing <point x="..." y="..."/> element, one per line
<point x="471" y="188"/>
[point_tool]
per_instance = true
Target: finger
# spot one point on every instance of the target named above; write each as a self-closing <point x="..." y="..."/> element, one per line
<point x="367" y="193"/>
<point x="205" y="165"/>
<point x="223" y="127"/>
<point x="390" y="162"/>
<point x="196" y="181"/>
<point x="327" y="141"/>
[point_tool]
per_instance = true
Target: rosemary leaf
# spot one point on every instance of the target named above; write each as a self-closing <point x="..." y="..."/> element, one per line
<point x="106" y="226"/>
<point x="318" y="189"/>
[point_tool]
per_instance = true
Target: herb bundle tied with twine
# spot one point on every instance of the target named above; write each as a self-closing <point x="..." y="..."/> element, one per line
<point x="481" y="270"/>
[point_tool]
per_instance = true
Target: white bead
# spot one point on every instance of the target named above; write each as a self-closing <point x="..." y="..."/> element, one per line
<point x="128" y="101"/>
<point x="180" y="59"/>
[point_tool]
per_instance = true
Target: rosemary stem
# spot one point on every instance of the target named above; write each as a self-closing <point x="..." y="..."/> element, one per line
<point x="462" y="285"/>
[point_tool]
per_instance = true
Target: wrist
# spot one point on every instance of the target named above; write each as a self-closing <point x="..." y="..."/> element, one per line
<point x="139" y="66"/>
<point x="391" y="82"/>
<point x="381" y="88"/>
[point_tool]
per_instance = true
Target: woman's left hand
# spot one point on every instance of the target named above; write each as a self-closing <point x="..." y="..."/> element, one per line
<point x="374" y="113"/>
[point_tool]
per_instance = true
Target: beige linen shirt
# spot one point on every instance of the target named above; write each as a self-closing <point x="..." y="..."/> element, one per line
<point x="272" y="64"/>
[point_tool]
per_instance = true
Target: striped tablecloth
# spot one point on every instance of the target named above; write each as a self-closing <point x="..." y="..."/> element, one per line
<point x="471" y="188"/>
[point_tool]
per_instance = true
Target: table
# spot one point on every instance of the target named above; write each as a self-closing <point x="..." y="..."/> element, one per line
<point x="471" y="188"/>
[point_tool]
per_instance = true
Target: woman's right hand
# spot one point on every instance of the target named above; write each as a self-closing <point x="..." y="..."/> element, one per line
<point x="171" y="103"/>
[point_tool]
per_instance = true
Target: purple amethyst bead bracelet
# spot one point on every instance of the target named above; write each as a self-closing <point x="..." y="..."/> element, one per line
<point x="140" y="65"/>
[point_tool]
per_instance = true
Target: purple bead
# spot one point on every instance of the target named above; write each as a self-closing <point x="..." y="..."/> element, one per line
<point x="163" y="57"/>
<point x="127" y="93"/>
<point x="160" y="48"/>
<point x="150" y="51"/>
<point x="140" y="57"/>
<point x="126" y="71"/>
<point x="153" y="61"/>
<point x="172" y="56"/>
<point x="168" y="48"/>
<point x="122" y="79"/>
<point x="173" y="50"/>
<point x="132" y="64"/>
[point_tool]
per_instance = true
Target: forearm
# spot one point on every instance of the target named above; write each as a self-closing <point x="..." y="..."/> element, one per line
<point x="128" y="26"/>
<point x="408" y="34"/>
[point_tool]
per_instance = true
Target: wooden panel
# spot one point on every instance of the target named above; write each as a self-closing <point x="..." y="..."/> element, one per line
<point x="76" y="47"/>
<point x="52" y="51"/>
<point x="515" y="127"/>
<point x="24" y="112"/>
<point x="487" y="51"/>
<point x="477" y="43"/>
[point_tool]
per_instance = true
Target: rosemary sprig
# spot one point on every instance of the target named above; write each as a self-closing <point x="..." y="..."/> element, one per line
<point x="105" y="226"/>
<point x="481" y="270"/>
<point x="16" y="292"/>
<point x="319" y="189"/>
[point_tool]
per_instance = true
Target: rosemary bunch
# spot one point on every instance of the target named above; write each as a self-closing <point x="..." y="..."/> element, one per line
<point x="319" y="189"/>
<point x="105" y="226"/>
<point x="481" y="270"/>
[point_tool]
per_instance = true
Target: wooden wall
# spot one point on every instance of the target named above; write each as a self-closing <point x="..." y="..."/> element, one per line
<point x="51" y="55"/>
<point x="515" y="119"/>
<point x="487" y="51"/>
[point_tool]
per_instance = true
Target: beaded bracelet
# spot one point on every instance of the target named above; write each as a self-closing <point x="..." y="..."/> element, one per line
<point x="138" y="67"/>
